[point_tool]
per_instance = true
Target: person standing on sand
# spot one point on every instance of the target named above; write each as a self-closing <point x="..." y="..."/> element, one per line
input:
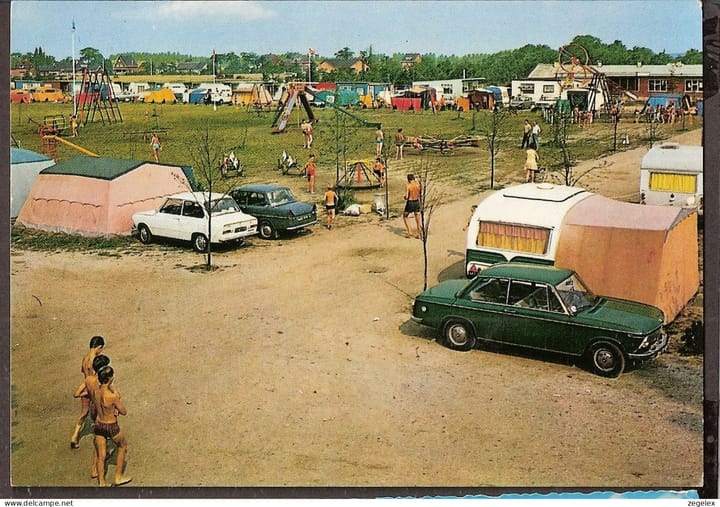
<point x="531" y="164"/>
<point x="91" y="389"/>
<point x="109" y="406"/>
<point x="413" y="192"/>
<point x="310" y="170"/>
<point x="331" y="201"/>
<point x="97" y="343"/>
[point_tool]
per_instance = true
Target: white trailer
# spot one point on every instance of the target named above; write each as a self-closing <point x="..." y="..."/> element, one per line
<point x="519" y="223"/>
<point x="672" y="174"/>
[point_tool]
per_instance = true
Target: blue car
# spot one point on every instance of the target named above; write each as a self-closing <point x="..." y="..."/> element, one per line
<point x="275" y="208"/>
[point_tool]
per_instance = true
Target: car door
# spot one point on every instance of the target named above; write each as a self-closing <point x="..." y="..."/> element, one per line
<point x="533" y="316"/>
<point x="257" y="204"/>
<point x="167" y="220"/>
<point x="482" y="304"/>
<point x="193" y="220"/>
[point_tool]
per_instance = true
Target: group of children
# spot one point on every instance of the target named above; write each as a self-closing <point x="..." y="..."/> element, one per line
<point x="102" y="402"/>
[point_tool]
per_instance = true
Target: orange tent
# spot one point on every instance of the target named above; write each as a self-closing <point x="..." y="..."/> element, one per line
<point x="632" y="251"/>
<point x="95" y="196"/>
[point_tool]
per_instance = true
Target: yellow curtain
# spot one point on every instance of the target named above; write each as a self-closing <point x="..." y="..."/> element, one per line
<point x="673" y="182"/>
<point x="519" y="238"/>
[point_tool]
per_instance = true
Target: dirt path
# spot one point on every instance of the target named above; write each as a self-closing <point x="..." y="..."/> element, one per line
<point x="296" y="364"/>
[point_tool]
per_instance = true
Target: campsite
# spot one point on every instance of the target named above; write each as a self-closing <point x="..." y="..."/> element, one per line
<point x="294" y="362"/>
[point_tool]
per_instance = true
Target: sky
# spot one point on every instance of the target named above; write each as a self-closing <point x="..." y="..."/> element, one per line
<point x="442" y="27"/>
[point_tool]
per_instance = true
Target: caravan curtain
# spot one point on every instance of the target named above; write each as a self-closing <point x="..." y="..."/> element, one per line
<point x="673" y="182"/>
<point x="519" y="238"/>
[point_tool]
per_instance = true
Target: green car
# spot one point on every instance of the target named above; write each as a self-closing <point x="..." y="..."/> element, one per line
<point x="275" y="208"/>
<point x="543" y="308"/>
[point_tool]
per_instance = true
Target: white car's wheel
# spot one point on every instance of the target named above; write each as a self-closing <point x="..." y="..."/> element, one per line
<point x="199" y="242"/>
<point x="145" y="234"/>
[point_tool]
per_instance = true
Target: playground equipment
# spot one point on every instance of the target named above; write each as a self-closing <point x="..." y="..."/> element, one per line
<point x="577" y="72"/>
<point x="231" y="167"/>
<point x="287" y="163"/>
<point x="358" y="176"/>
<point x="49" y="143"/>
<point x="338" y="106"/>
<point x="444" y="146"/>
<point x="290" y="97"/>
<point x="97" y="96"/>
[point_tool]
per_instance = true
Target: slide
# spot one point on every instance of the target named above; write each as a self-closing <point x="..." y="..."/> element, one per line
<point x="284" y="113"/>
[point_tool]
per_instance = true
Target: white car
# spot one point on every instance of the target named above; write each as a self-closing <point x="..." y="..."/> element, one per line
<point x="185" y="216"/>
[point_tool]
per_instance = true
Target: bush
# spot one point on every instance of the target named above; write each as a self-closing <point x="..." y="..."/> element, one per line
<point x="693" y="339"/>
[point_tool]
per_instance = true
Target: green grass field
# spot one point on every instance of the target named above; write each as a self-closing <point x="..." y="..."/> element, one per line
<point x="250" y="135"/>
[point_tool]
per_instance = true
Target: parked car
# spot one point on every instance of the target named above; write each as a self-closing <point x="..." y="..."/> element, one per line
<point x="543" y="308"/>
<point x="46" y="94"/>
<point x="20" y="96"/>
<point x="544" y="103"/>
<point x="185" y="216"/>
<point x="275" y="207"/>
<point x="521" y="102"/>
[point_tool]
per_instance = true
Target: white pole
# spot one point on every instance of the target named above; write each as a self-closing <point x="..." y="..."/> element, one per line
<point x="214" y="58"/>
<point x="73" y="69"/>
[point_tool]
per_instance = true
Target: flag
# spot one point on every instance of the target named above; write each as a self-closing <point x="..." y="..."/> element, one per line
<point x="311" y="51"/>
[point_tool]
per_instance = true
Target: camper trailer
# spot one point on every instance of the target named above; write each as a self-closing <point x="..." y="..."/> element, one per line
<point x="520" y="223"/>
<point x="672" y="174"/>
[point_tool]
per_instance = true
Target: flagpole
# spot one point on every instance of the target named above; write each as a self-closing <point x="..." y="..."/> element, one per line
<point x="309" y="68"/>
<point x="214" y="57"/>
<point x="73" y="69"/>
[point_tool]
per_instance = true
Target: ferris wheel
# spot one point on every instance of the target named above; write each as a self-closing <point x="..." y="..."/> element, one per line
<point x="574" y="70"/>
<point x="574" y="66"/>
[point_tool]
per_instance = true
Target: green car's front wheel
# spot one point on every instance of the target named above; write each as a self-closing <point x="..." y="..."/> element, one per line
<point x="458" y="335"/>
<point x="606" y="359"/>
<point x="266" y="230"/>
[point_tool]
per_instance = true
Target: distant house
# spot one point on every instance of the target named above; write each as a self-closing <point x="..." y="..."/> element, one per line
<point x="333" y="64"/>
<point x="125" y="64"/>
<point x="191" y="67"/>
<point x="59" y="70"/>
<point x="410" y="59"/>
<point x="636" y="81"/>
<point x="25" y="70"/>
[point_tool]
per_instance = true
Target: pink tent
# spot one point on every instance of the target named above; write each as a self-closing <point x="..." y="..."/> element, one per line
<point x="632" y="251"/>
<point x="94" y="196"/>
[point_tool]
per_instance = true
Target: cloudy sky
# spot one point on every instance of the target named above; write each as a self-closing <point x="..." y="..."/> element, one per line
<point x="440" y="27"/>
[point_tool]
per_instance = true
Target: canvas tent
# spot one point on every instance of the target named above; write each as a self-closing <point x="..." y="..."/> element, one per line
<point x="632" y="251"/>
<point x="95" y="196"/>
<point x="25" y="165"/>
<point x="251" y="94"/>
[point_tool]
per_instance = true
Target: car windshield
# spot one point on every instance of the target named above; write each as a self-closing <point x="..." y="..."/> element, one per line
<point x="223" y="205"/>
<point x="575" y="295"/>
<point x="280" y="196"/>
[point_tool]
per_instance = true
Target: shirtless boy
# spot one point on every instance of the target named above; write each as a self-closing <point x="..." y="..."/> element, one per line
<point x="109" y="406"/>
<point x="97" y="343"/>
<point x="91" y="389"/>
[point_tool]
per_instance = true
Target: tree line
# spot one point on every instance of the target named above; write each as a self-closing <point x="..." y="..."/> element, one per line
<point x="497" y="68"/>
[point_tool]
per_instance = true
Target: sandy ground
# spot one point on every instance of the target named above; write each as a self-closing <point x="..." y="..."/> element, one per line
<point x="295" y="363"/>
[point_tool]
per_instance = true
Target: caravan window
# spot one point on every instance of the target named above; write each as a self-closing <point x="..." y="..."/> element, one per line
<point x="519" y="238"/>
<point x="673" y="182"/>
